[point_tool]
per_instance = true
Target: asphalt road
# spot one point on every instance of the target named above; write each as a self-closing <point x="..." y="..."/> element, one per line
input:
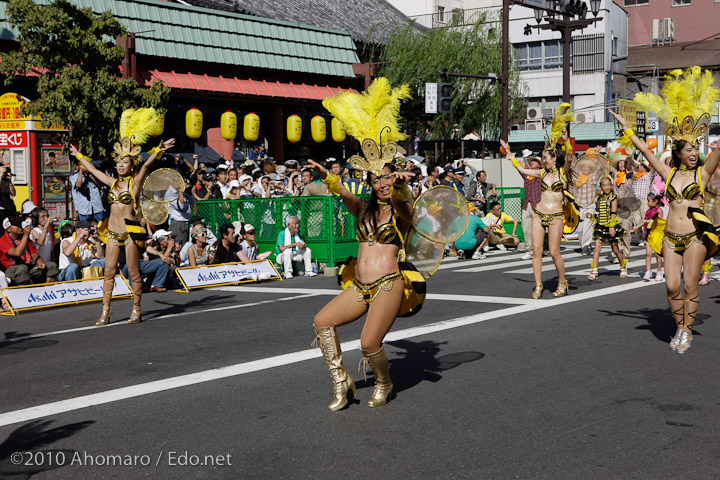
<point x="223" y="384"/>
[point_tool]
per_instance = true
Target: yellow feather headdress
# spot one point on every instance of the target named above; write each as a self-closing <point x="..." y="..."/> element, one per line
<point x="372" y="117"/>
<point x="563" y="115"/>
<point x="136" y="127"/>
<point x="684" y="103"/>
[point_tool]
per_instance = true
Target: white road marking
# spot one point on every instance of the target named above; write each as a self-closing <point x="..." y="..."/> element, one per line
<point x="132" y="391"/>
<point x="547" y="260"/>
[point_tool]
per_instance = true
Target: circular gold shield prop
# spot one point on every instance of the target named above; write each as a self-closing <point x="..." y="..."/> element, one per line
<point x="713" y="186"/>
<point x="163" y="185"/>
<point x="424" y="254"/>
<point x="441" y="215"/>
<point x="711" y="207"/>
<point x="589" y="169"/>
<point x="154" y="212"/>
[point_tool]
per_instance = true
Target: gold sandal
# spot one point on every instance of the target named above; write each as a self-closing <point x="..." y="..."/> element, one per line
<point x="105" y="318"/>
<point x="562" y="289"/>
<point x="136" y="315"/>
<point x="537" y="292"/>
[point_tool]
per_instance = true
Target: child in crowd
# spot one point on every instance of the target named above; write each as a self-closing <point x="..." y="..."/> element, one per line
<point x="654" y="211"/>
<point x="607" y="227"/>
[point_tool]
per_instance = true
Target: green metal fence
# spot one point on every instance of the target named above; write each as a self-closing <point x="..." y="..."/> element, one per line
<point x="325" y="224"/>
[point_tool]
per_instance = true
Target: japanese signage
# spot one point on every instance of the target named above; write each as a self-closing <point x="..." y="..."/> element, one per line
<point x="62" y="293"/>
<point x="10" y="118"/>
<point x="431" y="93"/>
<point x="226" y="273"/>
<point x="13" y="139"/>
<point x="634" y="115"/>
<point x="640" y="125"/>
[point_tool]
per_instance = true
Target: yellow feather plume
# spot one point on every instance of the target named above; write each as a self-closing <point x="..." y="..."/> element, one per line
<point x="562" y="116"/>
<point x="139" y="125"/>
<point x="685" y="93"/>
<point x="371" y="113"/>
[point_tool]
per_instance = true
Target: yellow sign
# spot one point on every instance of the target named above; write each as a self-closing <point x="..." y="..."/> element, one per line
<point x="10" y="118"/>
<point x="628" y="109"/>
<point x="12" y="125"/>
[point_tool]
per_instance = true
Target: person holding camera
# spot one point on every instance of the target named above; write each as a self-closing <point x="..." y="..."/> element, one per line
<point x="19" y="258"/>
<point x="42" y="234"/>
<point x="7" y="190"/>
<point x="86" y="195"/>
<point x="74" y="253"/>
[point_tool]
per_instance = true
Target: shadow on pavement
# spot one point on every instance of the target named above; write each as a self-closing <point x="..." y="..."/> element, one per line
<point x="21" y="456"/>
<point x="214" y="300"/>
<point x="659" y="321"/>
<point x="15" y="343"/>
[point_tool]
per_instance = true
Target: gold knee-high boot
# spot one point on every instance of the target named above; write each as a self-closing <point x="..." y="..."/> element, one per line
<point x="383" y="386"/>
<point x="343" y="383"/>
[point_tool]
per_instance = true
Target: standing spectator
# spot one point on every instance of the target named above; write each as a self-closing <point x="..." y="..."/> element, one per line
<point x="315" y="187"/>
<point x="180" y="212"/>
<point x="356" y="186"/>
<point x="222" y="180"/>
<point x="644" y="177"/>
<point x="42" y="234"/>
<point x="483" y="192"/>
<point x="447" y="177"/>
<point x="433" y="178"/>
<point x="624" y="177"/>
<point x="532" y="187"/>
<point x="457" y="182"/>
<point x="7" y="190"/>
<point x="291" y="248"/>
<point x="19" y="258"/>
<point x="183" y="166"/>
<point x="86" y="195"/>
<point x="496" y="221"/>
<point x="227" y="249"/>
<point x="585" y="189"/>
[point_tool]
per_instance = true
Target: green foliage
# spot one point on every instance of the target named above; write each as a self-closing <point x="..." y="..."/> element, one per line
<point x="75" y="53"/>
<point x="417" y="57"/>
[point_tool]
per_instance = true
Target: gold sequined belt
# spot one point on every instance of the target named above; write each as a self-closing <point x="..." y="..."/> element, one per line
<point x="547" y="218"/>
<point x="368" y="291"/>
<point x="680" y="243"/>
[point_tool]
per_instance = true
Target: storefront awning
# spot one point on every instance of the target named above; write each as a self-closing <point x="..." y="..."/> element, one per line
<point x="241" y="86"/>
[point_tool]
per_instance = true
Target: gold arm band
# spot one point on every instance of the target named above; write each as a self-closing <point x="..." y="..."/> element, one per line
<point x="153" y="150"/>
<point x="333" y="183"/>
<point x="629" y="132"/>
<point x="515" y="163"/>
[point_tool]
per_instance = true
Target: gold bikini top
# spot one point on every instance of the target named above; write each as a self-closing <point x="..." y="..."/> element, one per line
<point x="557" y="186"/>
<point x="692" y="191"/>
<point x="386" y="233"/>
<point x="125" y="197"/>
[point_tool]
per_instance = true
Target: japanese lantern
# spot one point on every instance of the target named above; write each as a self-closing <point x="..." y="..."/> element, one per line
<point x="228" y="125"/>
<point x="294" y="128"/>
<point x="338" y="132"/>
<point x="251" y="127"/>
<point x="318" y="129"/>
<point x="193" y="123"/>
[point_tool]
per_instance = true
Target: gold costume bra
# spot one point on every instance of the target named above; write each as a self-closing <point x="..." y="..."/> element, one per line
<point x="557" y="186"/>
<point x="692" y="191"/>
<point x="125" y="197"/>
<point x="386" y="234"/>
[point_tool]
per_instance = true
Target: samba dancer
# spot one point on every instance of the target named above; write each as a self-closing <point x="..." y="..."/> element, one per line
<point x="689" y="237"/>
<point x="124" y="230"/>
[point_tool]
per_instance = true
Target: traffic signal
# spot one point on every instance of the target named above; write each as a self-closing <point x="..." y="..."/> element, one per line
<point x="444" y="98"/>
<point x="527" y="30"/>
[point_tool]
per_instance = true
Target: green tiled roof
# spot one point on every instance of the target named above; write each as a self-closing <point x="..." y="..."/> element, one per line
<point x="583" y="132"/>
<point x="201" y="34"/>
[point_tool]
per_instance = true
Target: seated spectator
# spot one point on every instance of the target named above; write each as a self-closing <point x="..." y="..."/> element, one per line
<point x="480" y="192"/>
<point x="42" y="233"/>
<point x="471" y="243"/>
<point x="160" y="257"/>
<point x="248" y="247"/>
<point x="291" y="248"/>
<point x="227" y="248"/>
<point x="19" y="258"/>
<point x="496" y="220"/>
<point x="74" y="251"/>
<point x="210" y="240"/>
<point x="198" y="253"/>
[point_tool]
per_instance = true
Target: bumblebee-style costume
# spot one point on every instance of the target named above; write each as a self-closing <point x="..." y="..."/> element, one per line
<point x="606" y="218"/>
<point x="135" y="231"/>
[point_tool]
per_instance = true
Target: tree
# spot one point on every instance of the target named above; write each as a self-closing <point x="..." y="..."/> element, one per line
<point x="74" y="52"/>
<point x="415" y="57"/>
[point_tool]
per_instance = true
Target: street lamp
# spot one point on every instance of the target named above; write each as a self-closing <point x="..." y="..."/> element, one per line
<point x="595" y="7"/>
<point x="538" y="15"/>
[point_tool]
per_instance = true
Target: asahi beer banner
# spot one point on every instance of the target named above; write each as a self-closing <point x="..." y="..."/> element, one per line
<point x="209" y="275"/>
<point x="62" y="293"/>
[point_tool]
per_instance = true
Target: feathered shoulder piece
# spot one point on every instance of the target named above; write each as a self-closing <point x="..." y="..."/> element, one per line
<point x="684" y="103"/>
<point x="136" y="127"/>
<point x="372" y="117"/>
<point x="563" y="115"/>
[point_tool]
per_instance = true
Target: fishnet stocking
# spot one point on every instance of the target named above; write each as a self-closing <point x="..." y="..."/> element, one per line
<point x="689" y="263"/>
<point x="383" y="310"/>
<point x="132" y="255"/>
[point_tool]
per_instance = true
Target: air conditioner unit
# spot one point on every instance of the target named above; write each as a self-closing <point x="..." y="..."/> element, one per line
<point x="534" y="113"/>
<point x="533" y="126"/>
<point x="584" y="117"/>
<point x="669" y="28"/>
<point x="658" y="29"/>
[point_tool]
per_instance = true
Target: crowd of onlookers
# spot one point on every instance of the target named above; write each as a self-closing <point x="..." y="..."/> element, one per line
<point x="36" y="248"/>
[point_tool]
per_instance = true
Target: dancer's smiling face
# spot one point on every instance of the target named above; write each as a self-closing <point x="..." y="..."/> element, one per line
<point x="381" y="185"/>
<point x="549" y="160"/>
<point x="124" y="166"/>
<point x="688" y="155"/>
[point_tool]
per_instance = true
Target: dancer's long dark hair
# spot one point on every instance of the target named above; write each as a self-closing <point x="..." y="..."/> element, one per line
<point x="369" y="215"/>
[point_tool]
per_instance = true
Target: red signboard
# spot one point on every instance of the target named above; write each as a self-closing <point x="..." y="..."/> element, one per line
<point x="13" y="139"/>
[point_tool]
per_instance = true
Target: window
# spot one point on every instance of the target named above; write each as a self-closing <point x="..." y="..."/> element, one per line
<point x="440" y="14"/>
<point x="634" y="3"/>
<point x="680" y="3"/>
<point x="545" y="55"/>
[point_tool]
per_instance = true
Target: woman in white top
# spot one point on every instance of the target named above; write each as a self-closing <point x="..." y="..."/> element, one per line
<point x="42" y="233"/>
<point x="198" y="253"/>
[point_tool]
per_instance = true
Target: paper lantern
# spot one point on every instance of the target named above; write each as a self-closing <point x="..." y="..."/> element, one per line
<point x="193" y="123"/>
<point x="251" y="127"/>
<point x="337" y="130"/>
<point x="228" y="125"/>
<point x="294" y="128"/>
<point x="318" y="129"/>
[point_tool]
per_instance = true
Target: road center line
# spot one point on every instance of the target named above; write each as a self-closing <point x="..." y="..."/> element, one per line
<point x="77" y="403"/>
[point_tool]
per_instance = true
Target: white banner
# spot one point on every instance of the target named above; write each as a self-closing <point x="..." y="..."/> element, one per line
<point x="62" y="293"/>
<point x="226" y="273"/>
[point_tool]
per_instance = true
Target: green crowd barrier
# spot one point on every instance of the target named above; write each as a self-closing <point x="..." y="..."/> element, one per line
<point x="325" y="224"/>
